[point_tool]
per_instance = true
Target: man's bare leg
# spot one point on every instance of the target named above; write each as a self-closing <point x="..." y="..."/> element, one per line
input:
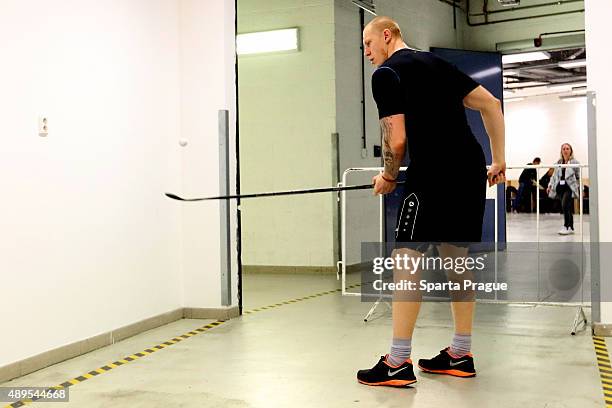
<point x="396" y="368"/>
<point x="405" y="310"/>
<point x="457" y="359"/>
<point x="463" y="308"/>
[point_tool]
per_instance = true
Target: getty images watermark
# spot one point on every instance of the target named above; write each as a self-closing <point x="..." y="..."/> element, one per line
<point x="460" y="271"/>
<point x="513" y="272"/>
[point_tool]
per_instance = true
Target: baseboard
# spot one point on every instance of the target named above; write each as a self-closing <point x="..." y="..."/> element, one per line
<point x="223" y="313"/>
<point x="359" y="267"/>
<point x="601" y="329"/>
<point x="313" y="270"/>
<point x="55" y="356"/>
<point x="282" y="269"/>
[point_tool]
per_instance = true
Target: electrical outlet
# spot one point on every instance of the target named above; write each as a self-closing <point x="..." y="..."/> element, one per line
<point x="43" y="126"/>
<point x="377" y="151"/>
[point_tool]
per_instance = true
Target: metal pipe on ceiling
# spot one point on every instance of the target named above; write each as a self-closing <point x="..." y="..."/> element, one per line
<point x="532" y="67"/>
<point x="561" y="32"/>
<point x="510" y="9"/>
<point x="483" y="14"/>
<point x="454" y="3"/>
<point x="471" y="24"/>
<point x="570" y="83"/>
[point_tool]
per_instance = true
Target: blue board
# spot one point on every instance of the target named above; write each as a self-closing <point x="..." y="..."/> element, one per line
<point x="486" y="69"/>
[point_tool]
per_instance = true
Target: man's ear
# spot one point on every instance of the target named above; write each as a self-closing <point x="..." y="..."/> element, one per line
<point x="387" y="35"/>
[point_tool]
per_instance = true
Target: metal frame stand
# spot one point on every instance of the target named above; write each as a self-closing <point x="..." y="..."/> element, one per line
<point x="382" y="240"/>
<point x="579" y="320"/>
<point x="373" y="308"/>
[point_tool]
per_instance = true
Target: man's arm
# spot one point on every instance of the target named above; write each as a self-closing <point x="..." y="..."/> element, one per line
<point x="490" y="109"/>
<point x="393" y="133"/>
<point x="393" y="130"/>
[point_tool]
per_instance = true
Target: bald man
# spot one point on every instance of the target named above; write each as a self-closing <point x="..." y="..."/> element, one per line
<point x="421" y="102"/>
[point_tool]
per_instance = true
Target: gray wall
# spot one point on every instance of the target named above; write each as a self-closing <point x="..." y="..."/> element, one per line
<point x="287" y="116"/>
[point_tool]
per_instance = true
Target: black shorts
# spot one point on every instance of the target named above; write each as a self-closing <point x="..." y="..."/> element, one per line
<point x="442" y="209"/>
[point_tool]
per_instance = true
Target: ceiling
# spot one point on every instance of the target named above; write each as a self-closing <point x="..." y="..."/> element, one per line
<point x="547" y="76"/>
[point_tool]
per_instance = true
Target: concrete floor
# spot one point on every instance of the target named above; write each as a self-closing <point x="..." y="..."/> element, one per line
<point x="521" y="227"/>
<point x="306" y="354"/>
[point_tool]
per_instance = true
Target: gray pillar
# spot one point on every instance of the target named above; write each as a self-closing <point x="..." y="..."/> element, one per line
<point x="224" y="222"/>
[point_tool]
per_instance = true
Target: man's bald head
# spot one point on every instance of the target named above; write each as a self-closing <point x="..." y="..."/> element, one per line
<point x="381" y="23"/>
<point x="381" y="38"/>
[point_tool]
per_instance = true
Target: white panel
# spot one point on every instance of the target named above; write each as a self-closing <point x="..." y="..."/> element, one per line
<point x="599" y="61"/>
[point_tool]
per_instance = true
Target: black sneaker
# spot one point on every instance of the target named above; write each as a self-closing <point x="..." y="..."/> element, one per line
<point x="384" y="373"/>
<point x="444" y="363"/>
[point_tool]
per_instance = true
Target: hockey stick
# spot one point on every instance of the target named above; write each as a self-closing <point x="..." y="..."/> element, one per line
<point x="277" y="193"/>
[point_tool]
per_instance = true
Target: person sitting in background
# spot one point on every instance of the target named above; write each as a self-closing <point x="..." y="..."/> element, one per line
<point x="564" y="185"/>
<point x="510" y="197"/>
<point x="546" y="204"/>
<point x="545" y="179"/>
<point x="527" y="188"/>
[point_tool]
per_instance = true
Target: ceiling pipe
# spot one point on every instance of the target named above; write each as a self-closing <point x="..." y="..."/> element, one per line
<point x="538" y="40"/>
<point x="471" y="24"/>
<point x="456" y="4"/>
<point x="532" y="67"/>
<point x="517" y="88"/>
<point x="533" y="6"/>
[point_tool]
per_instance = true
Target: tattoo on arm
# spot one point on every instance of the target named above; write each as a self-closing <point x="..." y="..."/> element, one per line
<point x="392" y="160"/>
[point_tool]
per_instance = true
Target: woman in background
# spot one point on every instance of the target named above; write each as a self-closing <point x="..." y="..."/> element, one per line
<point x="564" y="185"/>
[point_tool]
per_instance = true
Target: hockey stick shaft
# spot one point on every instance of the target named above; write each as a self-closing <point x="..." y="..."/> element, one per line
<point x="276" y="193"/>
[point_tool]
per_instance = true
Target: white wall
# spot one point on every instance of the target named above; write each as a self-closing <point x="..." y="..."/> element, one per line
<point x="599" y="61"/>
<point x="287" y="116"/>
<point x="537" y="126"/>
<point x="89" y="242"/>
<point x="207" y="86"/>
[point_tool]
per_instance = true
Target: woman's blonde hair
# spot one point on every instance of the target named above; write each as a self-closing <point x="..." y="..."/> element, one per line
<point x="571" y="152"/>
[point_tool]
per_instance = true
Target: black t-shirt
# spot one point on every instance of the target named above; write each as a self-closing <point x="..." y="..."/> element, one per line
<point x="429" y="92"/>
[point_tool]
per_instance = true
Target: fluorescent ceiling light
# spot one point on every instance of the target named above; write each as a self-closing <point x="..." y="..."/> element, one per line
<point x="560" y="87"/>
<point x="525" y="57"/>
<point x="524" y="84"/>
<point x="508" y="93"/>
<point x="267" y="41"/>
<point x="510" y="72"/>
<point x="573" y="98"/>
<point x="514" y="99"/>
<point x="573" y="64"/>
<point x="579" y="85"/>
